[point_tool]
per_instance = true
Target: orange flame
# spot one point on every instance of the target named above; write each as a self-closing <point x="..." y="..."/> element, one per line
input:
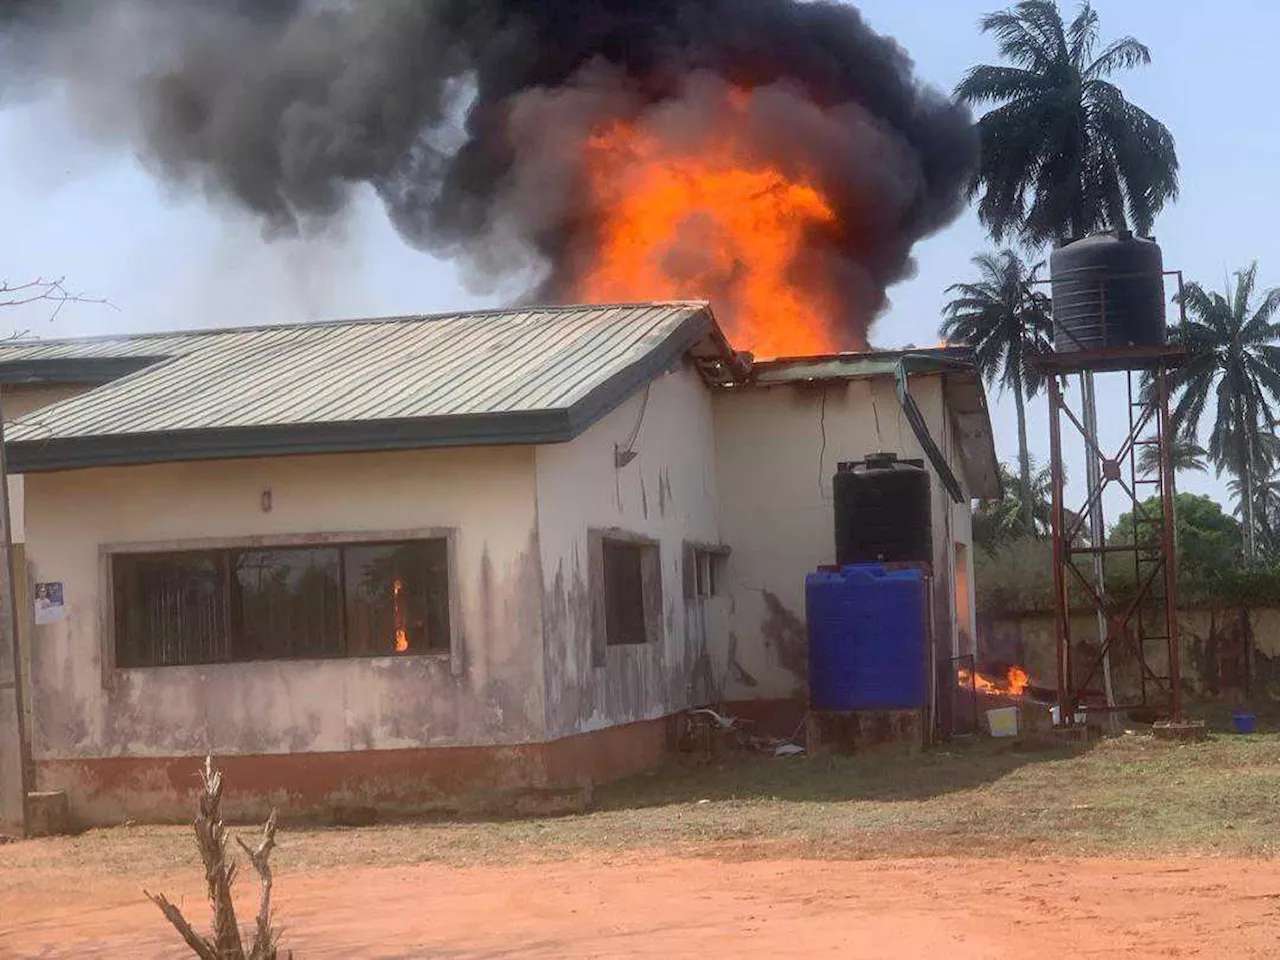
<point x="699" y="220"/>
<point x="1014" y="684"/>
<point x="402" y="634"/>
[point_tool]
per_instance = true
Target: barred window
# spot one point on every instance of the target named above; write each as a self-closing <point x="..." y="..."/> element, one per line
<point x="280" y="603"/>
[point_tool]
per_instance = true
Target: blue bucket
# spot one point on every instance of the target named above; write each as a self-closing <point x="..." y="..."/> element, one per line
<point x="1243" y="722"/>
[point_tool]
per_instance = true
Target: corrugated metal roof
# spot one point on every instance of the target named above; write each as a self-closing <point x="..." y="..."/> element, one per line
<point x="460" y="368"/>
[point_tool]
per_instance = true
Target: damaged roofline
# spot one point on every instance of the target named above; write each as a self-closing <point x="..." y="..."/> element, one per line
<point x="487" y="429"/>
<point x="900" y="366"/>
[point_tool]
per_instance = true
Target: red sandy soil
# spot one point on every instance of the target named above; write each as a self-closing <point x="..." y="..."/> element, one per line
<point x="638" y="906"/>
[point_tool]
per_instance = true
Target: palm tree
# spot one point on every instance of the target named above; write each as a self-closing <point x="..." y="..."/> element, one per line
<point x="1185" y="454"/>
<point x="1006" y="322"/>
<point x="1266" y="514"/>
<point x="1233" y="356"/>
<point x="1000" y="522"/>
<point x="1062" y="151"/>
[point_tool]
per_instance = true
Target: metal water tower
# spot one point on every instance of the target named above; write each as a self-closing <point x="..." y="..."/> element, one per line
<point x="1109" y="295"/>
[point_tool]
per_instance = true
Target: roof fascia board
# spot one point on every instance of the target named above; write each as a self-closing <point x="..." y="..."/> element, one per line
<point x="74" y="370"/>
<point x="608" y="395"/>
<point x="71" y="453"/>
<point x="523" y="427"/>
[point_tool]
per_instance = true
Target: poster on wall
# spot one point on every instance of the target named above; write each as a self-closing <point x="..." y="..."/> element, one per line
<point x="49" y="608"/>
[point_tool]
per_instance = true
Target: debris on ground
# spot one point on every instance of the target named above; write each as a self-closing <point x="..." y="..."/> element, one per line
<point x="708" y="732"/>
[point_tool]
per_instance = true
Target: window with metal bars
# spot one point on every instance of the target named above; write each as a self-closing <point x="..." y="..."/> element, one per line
<point x="278" y="603"/>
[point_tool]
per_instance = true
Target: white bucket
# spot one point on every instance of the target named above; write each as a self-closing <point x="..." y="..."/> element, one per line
<point x="1081" y="717"/>
<point x="1003" y="721"/>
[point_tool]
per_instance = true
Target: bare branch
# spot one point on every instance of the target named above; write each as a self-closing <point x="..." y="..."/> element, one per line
<point x="211" y="837"/>
<point x="45" y="289"/>
<point x="264" y="947"/>
<point x="199" y="945"/>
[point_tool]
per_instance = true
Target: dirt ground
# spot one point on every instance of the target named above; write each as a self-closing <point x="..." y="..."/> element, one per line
<point x="662" y="906"/>
<point x="1127" y="847"/>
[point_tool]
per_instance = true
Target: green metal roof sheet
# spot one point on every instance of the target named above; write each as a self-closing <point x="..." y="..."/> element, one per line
<point x="532" y="375"/>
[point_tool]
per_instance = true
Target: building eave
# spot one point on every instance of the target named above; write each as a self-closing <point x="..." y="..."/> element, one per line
<point x="698" y="337"/>
<point x="964" y="394"/>
<point x="79" y="370"/>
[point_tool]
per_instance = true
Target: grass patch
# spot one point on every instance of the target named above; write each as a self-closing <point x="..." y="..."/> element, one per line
<point x="1128" y="796"/>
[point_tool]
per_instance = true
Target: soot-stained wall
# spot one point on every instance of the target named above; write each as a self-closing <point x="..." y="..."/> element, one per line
<point x="487" y="691"/>
<point x="667" y="494"/>
<point x="777" y="449"/>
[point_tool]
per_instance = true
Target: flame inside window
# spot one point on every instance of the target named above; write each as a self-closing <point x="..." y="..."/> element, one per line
<point x="398" y="610"/>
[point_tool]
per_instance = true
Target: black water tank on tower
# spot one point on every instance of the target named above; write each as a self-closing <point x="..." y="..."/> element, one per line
<point x="1108" y="291"/>
<point x="882" y="511"/>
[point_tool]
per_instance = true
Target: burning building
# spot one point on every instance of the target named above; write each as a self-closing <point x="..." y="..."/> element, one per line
<point x="390" y="561"/>
<point x="396" y="562"/>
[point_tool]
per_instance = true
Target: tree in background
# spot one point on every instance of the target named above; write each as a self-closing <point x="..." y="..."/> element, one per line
<point x="1062" y="151"/>
<point x="999" y="523"/>
<point x="41" y="290"/>
<point x="1209" y="541"/>
<point x="1266" y="515"/>
<point x="1232" y="356"/>
<point x="1185" y="455"/>
<point x="1005" y="319"/>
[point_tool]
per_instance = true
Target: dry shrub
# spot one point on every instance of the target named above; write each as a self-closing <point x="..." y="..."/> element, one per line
<point x="211" y="836"/>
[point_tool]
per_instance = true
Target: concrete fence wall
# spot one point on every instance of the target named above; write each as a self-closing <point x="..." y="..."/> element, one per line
<point x="1227" y="652"/>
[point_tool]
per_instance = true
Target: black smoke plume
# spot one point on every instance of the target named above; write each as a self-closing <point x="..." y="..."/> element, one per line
<point x="466" y="116"/>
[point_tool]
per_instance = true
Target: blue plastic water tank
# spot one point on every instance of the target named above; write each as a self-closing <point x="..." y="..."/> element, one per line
<point x="866" y="638"/>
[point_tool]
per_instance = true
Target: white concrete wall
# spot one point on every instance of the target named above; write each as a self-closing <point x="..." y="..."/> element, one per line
<point x="960" y="517"/>
<point x="491" y="693"/>
<point x="668" y="493"/>
<point x="776" y="452"/>
<point x="747" y="468"/>
<point x="20" y="402"/>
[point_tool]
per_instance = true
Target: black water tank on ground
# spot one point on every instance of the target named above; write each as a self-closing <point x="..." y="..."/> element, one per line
<point x="1108" y="291"/>
<point x="882" y="511"/>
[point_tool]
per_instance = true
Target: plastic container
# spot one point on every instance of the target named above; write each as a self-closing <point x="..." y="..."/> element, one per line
<point x="1243" y="722"/>
<point x="1081" y="715"/>
<point x="1003" y="721"/>
<point x="1108" y="291"/>
<point x="867" y="638"/>
<point x="882" y="511"/>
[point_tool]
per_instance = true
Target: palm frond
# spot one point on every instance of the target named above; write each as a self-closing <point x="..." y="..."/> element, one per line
<point x="1082" y="35"/>
<point x="1138" y="150"/>
<point x="1184" y="456"/>
<point x="1062" y="151"/>
<point x="985" y="84"/>
<point x="1246" y="280"/>
<point x="1259" y="330"/>
<point x="1123" y="54"/>
<point x="1019" y="33"/>
<point x="1002" y="317"/>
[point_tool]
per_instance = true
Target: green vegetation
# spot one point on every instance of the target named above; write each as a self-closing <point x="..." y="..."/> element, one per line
<point x="1230" y="339"/>
<point x="1062" y="151"/>
<point x="1016" y="578"/>
<point x="1013" y="571"/>
<point x="1006" y="321"/>
<point x="1208" y="541"/>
